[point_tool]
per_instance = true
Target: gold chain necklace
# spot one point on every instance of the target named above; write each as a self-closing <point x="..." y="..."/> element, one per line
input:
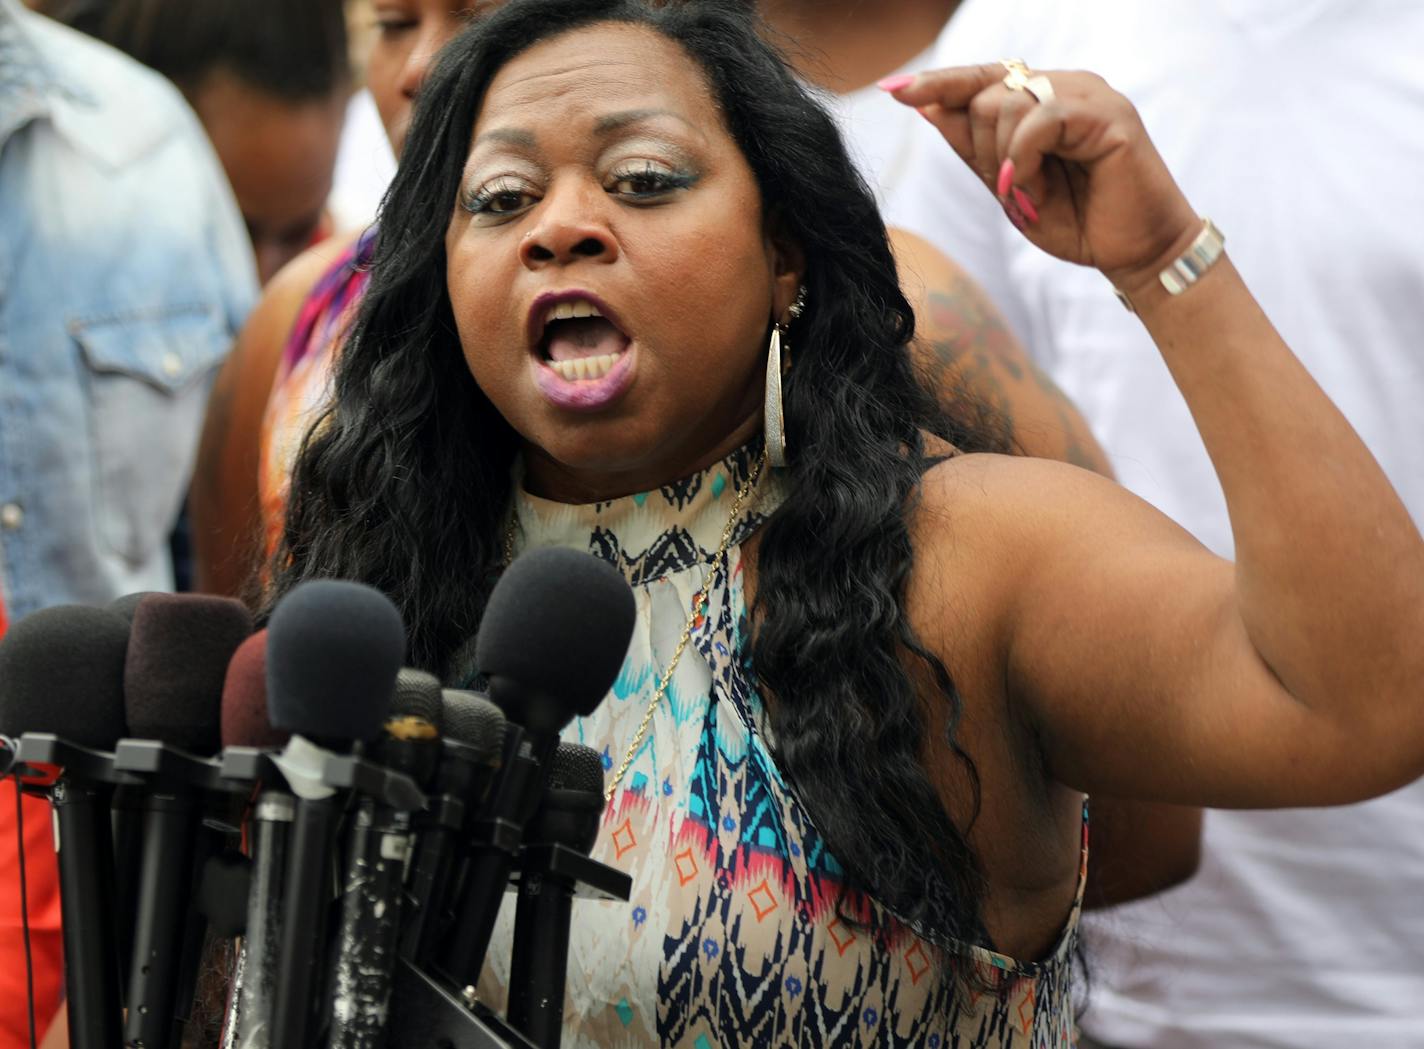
<point x="699" y="605"/>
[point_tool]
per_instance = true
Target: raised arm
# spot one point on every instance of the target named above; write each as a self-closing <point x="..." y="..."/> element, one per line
<point x="963" y="346"/>
<point x="1147" y="667"/>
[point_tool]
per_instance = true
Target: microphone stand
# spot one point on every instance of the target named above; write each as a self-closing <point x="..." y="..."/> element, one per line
<point x="550" y="876"/>
<point x="424" y="1013"/>
<point x="379" y="843"/>
<point x="249" y="1010"/>
<point x="167" y="932"/>
<point x="79" y="786"/>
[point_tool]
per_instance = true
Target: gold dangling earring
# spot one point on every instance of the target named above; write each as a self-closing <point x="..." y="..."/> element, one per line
<point x="774" y="417"/>
<point x="774" y="421"/>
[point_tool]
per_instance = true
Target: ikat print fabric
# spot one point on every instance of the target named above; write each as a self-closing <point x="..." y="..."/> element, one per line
<point x="733" y="936"/>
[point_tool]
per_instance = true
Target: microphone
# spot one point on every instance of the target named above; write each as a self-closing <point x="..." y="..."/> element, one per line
<point x="474" y="730"/>
<point x="127" y="821"/>
<point x="333" y="651"/>
<point x="127" y="605"/>
<point x="379" y="843"/>
<point x="568" y="818"/>
<point x="177" y="661"/>
<point x="552" y="641"/>
<point x="243" y="720"/>
<point x="244" y="724"/>
<point x="61" y="674"/>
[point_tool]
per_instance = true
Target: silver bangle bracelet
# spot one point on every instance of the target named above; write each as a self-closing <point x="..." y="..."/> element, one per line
<point x="1190" y="265"/>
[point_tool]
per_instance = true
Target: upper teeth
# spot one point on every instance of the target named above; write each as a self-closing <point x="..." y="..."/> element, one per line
<point x="567" y="311"/>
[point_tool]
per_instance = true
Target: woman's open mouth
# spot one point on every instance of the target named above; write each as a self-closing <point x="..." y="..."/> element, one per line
<point x="583" y="357"/>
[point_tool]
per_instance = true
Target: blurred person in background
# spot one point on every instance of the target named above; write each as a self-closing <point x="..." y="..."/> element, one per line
<point x="845" y="47"/>
<point x="269" y="79"/>
<point x="1303" y="928"/>
<point x="125" y="274"/>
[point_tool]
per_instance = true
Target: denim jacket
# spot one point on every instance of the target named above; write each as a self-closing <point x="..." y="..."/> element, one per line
<point x="124" y="273"/>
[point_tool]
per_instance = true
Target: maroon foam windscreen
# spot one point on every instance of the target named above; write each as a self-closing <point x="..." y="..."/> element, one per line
<point x="244" y="698"/>
<point x="177" y="663"/>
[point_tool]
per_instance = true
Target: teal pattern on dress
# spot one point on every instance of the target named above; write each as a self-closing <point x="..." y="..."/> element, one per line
<point x="733" y="935"/>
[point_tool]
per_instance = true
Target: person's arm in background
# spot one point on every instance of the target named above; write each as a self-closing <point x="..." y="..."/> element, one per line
<point x="963" y="342"/>
<point x="57" y="1037"/>
<point x="224" y="502"/>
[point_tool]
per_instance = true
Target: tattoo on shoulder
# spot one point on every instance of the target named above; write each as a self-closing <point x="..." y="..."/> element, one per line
<point x="971" y="352"/>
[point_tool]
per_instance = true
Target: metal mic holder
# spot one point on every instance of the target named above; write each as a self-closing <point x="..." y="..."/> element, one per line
<point x="302" y="970"/>
<point x="41" y="758"/>
<point x="168" y="937"/>
<point x="555" y="875"/>
<point x="250" y="992"/>
<point x="78" y="782"/>
<point x="425" y="1013"/>
<point x="589" y="879"/>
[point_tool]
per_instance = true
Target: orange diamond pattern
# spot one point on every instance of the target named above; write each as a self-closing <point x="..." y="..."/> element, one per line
<point x="624" y="839"/>
<point x="763" y="900"/>
<point x="841" y="935"/>
<point x="686" y="865"/>
<point x="917" y="962"/>
<point x="1027" y="1005"/>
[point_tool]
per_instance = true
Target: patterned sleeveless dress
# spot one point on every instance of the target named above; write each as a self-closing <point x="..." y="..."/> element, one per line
<point x="731" y="937"/>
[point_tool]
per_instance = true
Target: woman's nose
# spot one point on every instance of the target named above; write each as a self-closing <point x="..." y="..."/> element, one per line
<point x="571" y="228"/>
<point x="432" y="38"/>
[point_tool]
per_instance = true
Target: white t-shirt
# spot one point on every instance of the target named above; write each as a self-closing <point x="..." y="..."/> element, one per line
<point x="879" y="132"/>
<point x="365" y="165"/>
<point x="1298" y="125"/>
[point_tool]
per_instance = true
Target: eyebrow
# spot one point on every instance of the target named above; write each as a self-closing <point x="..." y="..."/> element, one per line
<point x="618" y="121"/>
<point x="603" y="127"/>
<point x="509" y="136"/>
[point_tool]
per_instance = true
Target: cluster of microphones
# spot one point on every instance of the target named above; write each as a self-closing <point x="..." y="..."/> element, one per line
<point x="350" y="826"/>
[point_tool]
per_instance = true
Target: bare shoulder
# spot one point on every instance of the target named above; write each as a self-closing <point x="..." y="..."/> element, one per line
<point x="986" y="525"/>
<point x="224" y="497"/>
<point x="1010" y="495"/>
<point x="284" y="294"/>
<point x="249" y="371"/>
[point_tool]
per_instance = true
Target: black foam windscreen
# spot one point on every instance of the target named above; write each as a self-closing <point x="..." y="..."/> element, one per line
<point x="62" y="671"/>
<point x="334" y="649"/>
<point x="471" y="719"/>
<point x="177" y="665"/>
<point x="126" y="606"/>
<point x="558" y="622"/>
<point x="576" y="767"/>
<point x="417" y="696"/>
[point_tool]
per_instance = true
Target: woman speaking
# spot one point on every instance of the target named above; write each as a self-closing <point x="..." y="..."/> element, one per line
<point x="629" y="296"/>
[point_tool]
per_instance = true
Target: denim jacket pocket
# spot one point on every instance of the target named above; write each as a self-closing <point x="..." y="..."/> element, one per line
<point x="148" y="375"/>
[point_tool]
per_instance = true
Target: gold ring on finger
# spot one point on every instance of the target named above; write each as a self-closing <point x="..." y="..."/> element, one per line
<point x="1018" y="74"/>
<point x="1040" y="88"/>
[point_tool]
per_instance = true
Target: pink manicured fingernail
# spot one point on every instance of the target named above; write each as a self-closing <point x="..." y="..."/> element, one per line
<point x="1006" y="178"/>
<point x="1015" y="215"/>
<point x="895" y="83"/>
<point x="1025" y="205"/>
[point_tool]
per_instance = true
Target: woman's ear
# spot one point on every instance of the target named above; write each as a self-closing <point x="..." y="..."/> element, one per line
<point x="788" y="261"/>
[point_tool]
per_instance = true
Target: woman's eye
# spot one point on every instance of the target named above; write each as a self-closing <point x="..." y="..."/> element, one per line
<point x="648" y="181"/>
<point x="499" y="198"/>
<point x="391" y="24"/>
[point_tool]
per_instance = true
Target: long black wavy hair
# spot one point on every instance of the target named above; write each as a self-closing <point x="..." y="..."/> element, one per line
<point x="405" y="481"/>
